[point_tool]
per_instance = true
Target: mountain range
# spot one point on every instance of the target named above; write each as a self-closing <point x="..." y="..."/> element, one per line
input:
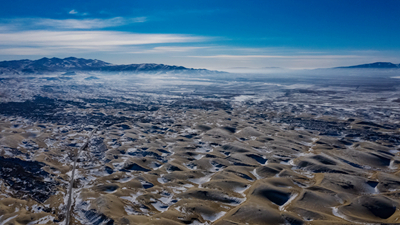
<point x="72" y="64"/>
<point x="376" y="65"/>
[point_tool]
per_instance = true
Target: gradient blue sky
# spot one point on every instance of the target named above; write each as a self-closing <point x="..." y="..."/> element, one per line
<point x="216" y="34"/>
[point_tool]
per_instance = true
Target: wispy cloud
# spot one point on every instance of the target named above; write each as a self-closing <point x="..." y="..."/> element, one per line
<point x="87" y="23"/>
<point x="237" y="56"/>
<point x="39" y="36"/>
<point x="56" y="24"/>
<point x="86" y="40"/>
<point x="241" y="57"/>
<point x="73" y="12"/>
<point x="168" y="49"/>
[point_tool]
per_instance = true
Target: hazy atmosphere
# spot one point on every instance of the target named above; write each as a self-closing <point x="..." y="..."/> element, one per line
<point x="199" y="112"/>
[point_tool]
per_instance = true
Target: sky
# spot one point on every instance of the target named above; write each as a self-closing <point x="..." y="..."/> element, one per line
<point x="224" y="35"/>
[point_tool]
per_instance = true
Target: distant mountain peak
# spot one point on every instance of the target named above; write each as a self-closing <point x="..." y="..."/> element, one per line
<point x="49" y="65"/>
<point x="375" y="65"/>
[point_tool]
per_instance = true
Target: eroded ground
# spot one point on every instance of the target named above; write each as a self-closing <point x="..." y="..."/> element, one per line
<point x="198" y="152"/>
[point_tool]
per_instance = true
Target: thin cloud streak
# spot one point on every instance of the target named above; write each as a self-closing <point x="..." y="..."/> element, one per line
<point x="241" y="57"/>
<point x="87" y="23"/>
<point x="65" y="24"/>
<point x="167" y="49"/>
<point x="74" y="12"/>
<point x="91" y="40"/>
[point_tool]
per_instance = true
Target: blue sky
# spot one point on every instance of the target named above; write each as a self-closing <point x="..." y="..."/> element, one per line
<point x="217" y="34"/>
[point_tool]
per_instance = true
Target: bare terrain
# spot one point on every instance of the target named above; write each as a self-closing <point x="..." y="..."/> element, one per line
<point x="310" y="147"/>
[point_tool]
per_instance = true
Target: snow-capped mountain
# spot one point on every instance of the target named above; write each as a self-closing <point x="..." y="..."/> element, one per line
<point x="72" y="64"/>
